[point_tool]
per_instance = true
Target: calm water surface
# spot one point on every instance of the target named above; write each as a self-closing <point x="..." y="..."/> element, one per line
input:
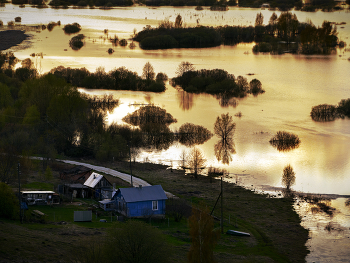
<point x="293" y="84"/>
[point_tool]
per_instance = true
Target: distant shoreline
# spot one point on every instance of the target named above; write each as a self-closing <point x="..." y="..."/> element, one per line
<point x="11" y="38"/>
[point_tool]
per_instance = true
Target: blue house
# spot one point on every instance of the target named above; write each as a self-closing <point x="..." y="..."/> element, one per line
<point x="142" y="201"/>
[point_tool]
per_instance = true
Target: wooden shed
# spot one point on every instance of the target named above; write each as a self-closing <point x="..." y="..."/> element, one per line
<point x="100" y="186"/>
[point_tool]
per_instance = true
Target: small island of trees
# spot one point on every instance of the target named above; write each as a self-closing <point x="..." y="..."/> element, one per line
<point x="326" y="112"/>
<point x="282" y="34"/>
<point x="215" y="82"/>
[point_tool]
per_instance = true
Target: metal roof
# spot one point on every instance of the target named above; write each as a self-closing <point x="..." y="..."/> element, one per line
<point x="37" y="192"/>
<point x="145" y="193"/>
<point x="93" y="180"/>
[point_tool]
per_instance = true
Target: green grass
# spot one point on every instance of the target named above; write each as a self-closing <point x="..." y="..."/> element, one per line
<point x="276" y="234"/>
<point x="39" y="186"/>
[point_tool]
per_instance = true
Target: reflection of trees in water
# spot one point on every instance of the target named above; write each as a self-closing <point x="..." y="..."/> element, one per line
<point x="226" y="100"/>
<point x="148" y="98"/>
<point x="185" y="99"/>
<point x="224" y="149"/>
<point x="224" y="128"/>
<point x="190" y="134"/>
<point x="157" y="136"/>
<point x="153" y="123"/>
<point x="285" y="141"/>
<point x="149" y="114"/>
<point x="324" y="112"/>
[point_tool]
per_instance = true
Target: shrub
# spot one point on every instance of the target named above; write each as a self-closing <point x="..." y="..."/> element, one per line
<point x="76" y="42"/>
<point x="8" y="201"/>
<point x="344" y="107"/>
<point x="123" y="42"/>
<point x="72" y="28"/>
<point x="262" y="47"/>
<point x="324" y="112"/>
<point x="285" y="141"/>
<point x="256" y="87"/>
<point x="161" y="77"/>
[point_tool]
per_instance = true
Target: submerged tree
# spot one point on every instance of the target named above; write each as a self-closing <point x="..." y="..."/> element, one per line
<point x="191" y="134"/>
<point x="149" y="114"/>
<point x="259" y="20"/>
<point x="148" y="72"/>
<point x="178" y="21"/>
<point x="224" y="128"/>
<point x="288" y="177"/>
<point x="285" y="141"/>
<point x="324" y="112"/>
<point x="184" y="67"/>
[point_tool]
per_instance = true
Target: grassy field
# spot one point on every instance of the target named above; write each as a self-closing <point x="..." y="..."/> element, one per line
<point x="276" y="234"/>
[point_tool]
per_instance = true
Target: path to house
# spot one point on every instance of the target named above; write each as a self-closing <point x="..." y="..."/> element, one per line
<point x="126" y="177"/>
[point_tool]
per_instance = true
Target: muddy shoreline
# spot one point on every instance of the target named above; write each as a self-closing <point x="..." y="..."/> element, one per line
<point x="11" y="38"/>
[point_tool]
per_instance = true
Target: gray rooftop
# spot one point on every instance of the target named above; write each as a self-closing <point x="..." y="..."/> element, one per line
<point x="145" y="193"/>
<point x="93" y="180"/>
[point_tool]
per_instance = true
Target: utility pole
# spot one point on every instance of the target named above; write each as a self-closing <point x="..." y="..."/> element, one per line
<point x="130" y="165"/>
<point x="222" y="209"/>
<point x="19" y="193"/>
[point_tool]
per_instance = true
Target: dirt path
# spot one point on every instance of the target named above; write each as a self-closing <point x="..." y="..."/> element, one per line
<point x="126" y="177"/>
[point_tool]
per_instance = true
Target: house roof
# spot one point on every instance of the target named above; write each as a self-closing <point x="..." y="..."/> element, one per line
<point x="145" y="193"/>
<point x="93" y="180"/>
<point x="37" y="192"/>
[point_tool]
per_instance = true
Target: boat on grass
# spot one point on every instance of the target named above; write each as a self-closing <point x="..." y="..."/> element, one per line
<point x="237" y="233"/>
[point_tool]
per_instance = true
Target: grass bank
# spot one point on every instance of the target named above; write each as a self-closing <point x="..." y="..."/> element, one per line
<point x="276" y="234"/>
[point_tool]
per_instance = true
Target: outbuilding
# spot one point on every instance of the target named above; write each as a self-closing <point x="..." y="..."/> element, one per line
<point x="142" y="201"/>
<point x="100" y="186"/>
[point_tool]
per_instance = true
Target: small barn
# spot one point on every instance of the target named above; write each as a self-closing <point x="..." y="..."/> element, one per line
<point x="40" y="197"/>
<point x="100" y="186"/>
<point x="142" y="201"/>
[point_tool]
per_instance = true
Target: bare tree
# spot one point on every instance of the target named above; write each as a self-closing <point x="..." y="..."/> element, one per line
<point x="184" y="67"/>
<point x="183" y="157"/>
<point x="288" y="177"/>
<point x="178" y="21"/>
<point x="196" y="161"/>
<point x="148" y="72"/>
<point x="224" y="126"/>
<point x="259" y="20"/>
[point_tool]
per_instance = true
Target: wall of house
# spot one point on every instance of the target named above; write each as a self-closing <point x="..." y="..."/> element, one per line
<point x="144" y="208"/>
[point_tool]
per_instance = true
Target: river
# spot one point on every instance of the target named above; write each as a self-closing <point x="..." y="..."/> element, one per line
<point x="293" y="84"/>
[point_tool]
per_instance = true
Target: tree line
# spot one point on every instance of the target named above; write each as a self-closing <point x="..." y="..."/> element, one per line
<point x="282" y="33"/>
<point x="327" y="112"/>
<point x="282" y="5"/>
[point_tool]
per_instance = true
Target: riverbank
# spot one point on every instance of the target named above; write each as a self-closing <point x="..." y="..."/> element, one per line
<point x="11" y="38"/>
<point x="277" y="235"/>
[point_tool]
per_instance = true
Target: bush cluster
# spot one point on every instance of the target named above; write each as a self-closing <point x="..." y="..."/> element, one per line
<point x="216" y="81"/>
<point x="72" y="28"/>
<point x="326" y="112"/>
<point x="165" y="38"/>
<point x="76" y="42"/>
<point x="117" y="79"/>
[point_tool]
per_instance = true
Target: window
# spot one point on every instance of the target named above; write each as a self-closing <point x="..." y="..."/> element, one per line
<point x="154" y="205"/>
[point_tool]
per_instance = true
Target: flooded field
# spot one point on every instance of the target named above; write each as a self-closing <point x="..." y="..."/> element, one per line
<point x="293" y="85"/>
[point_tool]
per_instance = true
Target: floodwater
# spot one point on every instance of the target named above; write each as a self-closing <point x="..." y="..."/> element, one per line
<point x="293" y="85"/>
